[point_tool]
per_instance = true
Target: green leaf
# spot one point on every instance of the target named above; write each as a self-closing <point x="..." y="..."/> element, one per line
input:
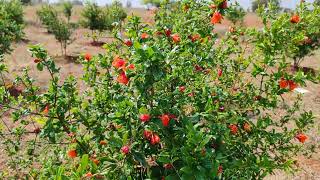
<point x="41" y="120"/>
<point x="164" y="159"/>
<point x="143" y="110"/>
<point x="125" y="137"/>
<point x="150" y="51"/>
<point x="137" y="45"/>
<point x="83" y="164"/>
<point x="40" y="66"/>
<point x="186" y="170"/>
<point x="172" y="177"/>
<point x="140" y="158"/>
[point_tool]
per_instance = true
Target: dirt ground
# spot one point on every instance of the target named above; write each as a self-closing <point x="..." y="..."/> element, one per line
<point x="35" y="33"/>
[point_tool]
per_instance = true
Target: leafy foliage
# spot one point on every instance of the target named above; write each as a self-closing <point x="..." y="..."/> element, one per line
<point x="156" y="3"/>
<point x="62" y="32"/>
<point x="48" y="16"/>
<point x="11" y="24"/>
<point x="100" y="19"/>
<point x="96" y="19"/>
<point x="264" y="3"/>
<point x="25" y="2"/>
<point x="14" y="10"/>
<point x="167" y="101"/>
<point x="309" y="40"/>
<point x="116" y="12"/>
<point x="61" y="29"/>
<point x="236" y="13"/>
<point x="67" y="9"/>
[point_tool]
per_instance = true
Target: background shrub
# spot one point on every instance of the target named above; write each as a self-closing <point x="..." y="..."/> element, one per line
<point x="96" y="19"/>
<point x="67" y="10"/>
<point x="257" y="3"/>
<point x="116" y="12"/>
<point x="26" y="2"/>
<point x="156" y="3"/>
<point x="62" y="32"/>
<point x="48" y="16"/>
<point x="99" y="19"/>
<point x="13" y="9"/>
<point x="235" y="13"/>
<point x="56" y="25"/>
<point x="11" y="24"/>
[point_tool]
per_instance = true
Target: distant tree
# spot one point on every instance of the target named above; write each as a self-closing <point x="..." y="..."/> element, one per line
<point x="48" y="16"/>
<point x="156" y="3"/>
<point x="287" y="10"/>
<point x="11" y="24"/>
<point x="116" y="12"/>
<point x="96" y="19"/>
<point x="77" y="2"/>
<point x="62" y="32"/>
<point x="235" y="13"/>
<point x="56" y="25"/>
<point x="67" y="9"/>
<point x="128" y="4"/>
<point x="116" y="3"/>
<point x="99" y="19"/>
<point x="25" y="2"/>
<point x="14" y="10"/>
<point x="257" y="3"/>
